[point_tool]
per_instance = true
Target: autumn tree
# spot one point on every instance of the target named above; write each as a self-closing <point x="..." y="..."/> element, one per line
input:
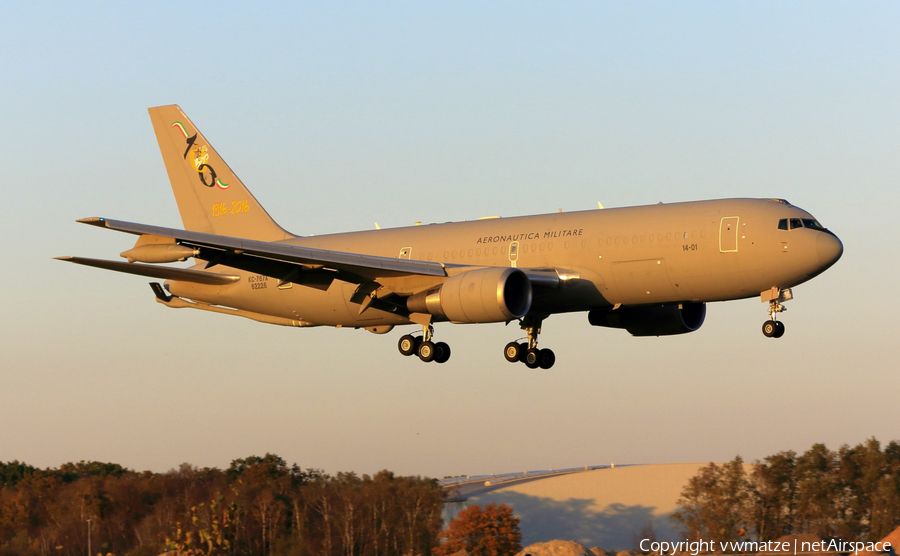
<point x="492" y="531"/>
<point x="774" y="494"/>
<point x="262" y="484"/>
<point x="260" y="506"/>
<point x="13" y="472"/>
<point x="852" y="493"/>
<point x="207" y="531"/>
<point x="714" y="503"/>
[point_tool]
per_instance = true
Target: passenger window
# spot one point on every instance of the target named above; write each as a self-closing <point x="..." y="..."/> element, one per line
<point x="795" y="223"/>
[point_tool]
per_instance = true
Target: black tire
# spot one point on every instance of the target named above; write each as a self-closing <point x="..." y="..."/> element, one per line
<point x="427" y="352"/>
<point x="513" y="352"/>
<point x="548" y="358"/>
<point x="769" y="328"/>
<point x="523" y="349"/>
<point x="443" y="352"/>
<point x="779" y="329"/>
<point x="533" y="358"/>
<point x="407" y="345"/>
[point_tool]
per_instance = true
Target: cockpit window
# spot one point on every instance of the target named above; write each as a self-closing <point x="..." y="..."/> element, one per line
<point x="814" y="224"/>
<point x="801" y="223"/>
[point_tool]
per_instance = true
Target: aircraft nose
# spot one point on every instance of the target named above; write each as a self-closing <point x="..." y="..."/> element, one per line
<point x="829" y="249"/>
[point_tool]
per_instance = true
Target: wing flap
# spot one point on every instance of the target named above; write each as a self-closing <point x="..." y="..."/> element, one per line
<point x="153" y="271"/>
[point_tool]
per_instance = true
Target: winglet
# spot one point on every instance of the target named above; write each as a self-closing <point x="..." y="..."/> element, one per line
<point x="93" y="221"/>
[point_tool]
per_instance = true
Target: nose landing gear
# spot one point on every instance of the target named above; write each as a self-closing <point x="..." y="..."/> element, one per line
<point x="774" y="328"/>
<point x="529" y="353"/>
<point x="422" y="346"/>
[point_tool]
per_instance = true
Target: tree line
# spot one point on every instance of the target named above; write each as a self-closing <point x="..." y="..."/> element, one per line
<point x="852" y="493"/>
<point x="258" y="506"/>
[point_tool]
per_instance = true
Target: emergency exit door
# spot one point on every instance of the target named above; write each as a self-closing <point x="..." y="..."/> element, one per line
<point x="514" y="254"/>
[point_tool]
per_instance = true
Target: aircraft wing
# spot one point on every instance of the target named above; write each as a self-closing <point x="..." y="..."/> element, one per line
<point x="278" y="259"/>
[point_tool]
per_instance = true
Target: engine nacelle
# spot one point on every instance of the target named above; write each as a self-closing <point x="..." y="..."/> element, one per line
<point x="483" y="295"/>
<point x="662" y="320"/>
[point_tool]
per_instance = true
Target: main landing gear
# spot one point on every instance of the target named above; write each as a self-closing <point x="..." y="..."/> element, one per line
<point x="774" y="328"/>
<point x="529" y="353"/>
<point x="422" y="346"/>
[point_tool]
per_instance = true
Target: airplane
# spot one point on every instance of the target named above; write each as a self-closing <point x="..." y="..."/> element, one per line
<point x="649" y="270"/>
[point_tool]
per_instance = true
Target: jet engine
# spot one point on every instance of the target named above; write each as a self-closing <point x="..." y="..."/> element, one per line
<point x="476" y="296"/>
<point x="662" y="320"/>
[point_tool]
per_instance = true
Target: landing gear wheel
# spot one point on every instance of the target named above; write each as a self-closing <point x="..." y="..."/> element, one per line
<point x="769" y="328"/>
<point x="523" y="349"/>
<point x="548" y="358"/>
<point x="407" y="345"/>
<point x="513" y="352"/>
<point x="442" y="352"/>
<point x="427" y="352"/>
<point x="779" y="329"/>
<point x="533" y="358"/>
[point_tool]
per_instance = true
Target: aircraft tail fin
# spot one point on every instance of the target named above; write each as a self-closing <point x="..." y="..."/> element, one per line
<point x="210" y="196"/>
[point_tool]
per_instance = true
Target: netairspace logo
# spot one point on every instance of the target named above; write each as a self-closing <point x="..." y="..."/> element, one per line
<point x="694" y="548"/>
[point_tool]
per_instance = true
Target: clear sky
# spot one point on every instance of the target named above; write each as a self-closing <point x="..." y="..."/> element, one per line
<point x="338" y="115"/>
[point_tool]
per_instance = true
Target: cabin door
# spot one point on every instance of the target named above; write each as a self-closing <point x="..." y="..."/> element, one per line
<point x="728" y="234"/>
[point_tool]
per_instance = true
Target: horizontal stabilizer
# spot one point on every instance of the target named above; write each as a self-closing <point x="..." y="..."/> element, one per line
<point x="161" y="272"/>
